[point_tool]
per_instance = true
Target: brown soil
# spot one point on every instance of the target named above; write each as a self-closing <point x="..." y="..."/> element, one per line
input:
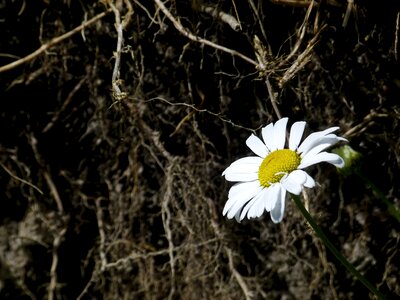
<point x="111" y="158"/>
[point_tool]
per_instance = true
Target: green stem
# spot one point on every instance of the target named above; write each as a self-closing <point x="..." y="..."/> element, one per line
<point x="391" y="208"/>
<point x="333" y="249"/>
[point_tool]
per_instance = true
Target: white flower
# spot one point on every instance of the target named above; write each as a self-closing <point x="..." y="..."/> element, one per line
<point x="263" y="180"/>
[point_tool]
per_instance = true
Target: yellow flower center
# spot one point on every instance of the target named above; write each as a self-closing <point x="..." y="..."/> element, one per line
<point x="277" y="164"/>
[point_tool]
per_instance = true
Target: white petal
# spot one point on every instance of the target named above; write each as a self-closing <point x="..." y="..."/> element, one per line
<point x="258" y="197"/>
<point x="244" y="177"/>
<point x="296" y="133"/>
<point x="271" y="196"/>
<point x="242" y="171"/>
<point x="337" y="162"/>
<point x="257" y="208"/>
<point x="322" y="143"/>
<point x="279" y="134"/>
<point x="239" y="188"/>
<point x="239" y="194"/>
<point x="294" y="182"/>
<point x="237" y="207"/>
<point x="257" y="146"/>
<point x="267" y="135"/>
<point x="237" y="216"/>
<point x="331" y="158"/>
<point x="313" y="138"/>
<point x="279" y="209"/>
<point x="242" y="168"/>
<point x="310" y="182"/>
<point x="247" y="160"/>
<point x="319" y="146"/>
<point x="237" y="191"/>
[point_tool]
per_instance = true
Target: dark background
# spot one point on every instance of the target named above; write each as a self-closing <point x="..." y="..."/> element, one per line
<point x="108" y="194"/>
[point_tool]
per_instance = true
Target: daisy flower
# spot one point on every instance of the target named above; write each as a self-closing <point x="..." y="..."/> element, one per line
<point x="264" y="179"/>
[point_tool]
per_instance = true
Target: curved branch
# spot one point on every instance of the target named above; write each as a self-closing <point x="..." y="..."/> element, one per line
<point x="195" y="38"/>
<point x="51" y="43"/>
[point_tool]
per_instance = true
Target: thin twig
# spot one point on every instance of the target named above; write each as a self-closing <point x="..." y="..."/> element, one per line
<point x="120" y="26"/>
<point x="54" y="264"/>
<point x="200" y="110"/>
<point x="52" y="42"/>
<point x="65" y="104"/>
<point x="117" y="53"/>
<point x="197" y="39"/>
<point x="302" y="32"/>
<point x="295" y="3"/>
<point x="20" y="179"/>
<point x="261" y="25"/>
<point x="365" y="123"/>
<point x="166" y="219"/>
<point x="273" y="98"/>
<point x="247" y="293"/>
<point x="396" y="36"/>
<point x="136" y="255"/>
<point x="100" y="225"/>
<point x="47" y="177"/>
<point x="236" y="13"/>
<point x="223" y="16"/>
<point x="301" y="60"/>
<point x="349" y="9"/>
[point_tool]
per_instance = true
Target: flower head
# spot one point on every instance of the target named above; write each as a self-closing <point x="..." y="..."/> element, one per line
<point x="264" y="179"/>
